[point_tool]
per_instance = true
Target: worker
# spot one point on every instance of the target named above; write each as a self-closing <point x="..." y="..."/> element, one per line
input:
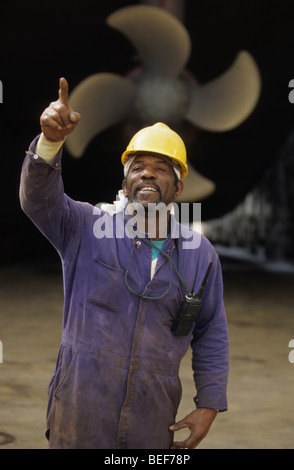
<point x="133" y="303"/>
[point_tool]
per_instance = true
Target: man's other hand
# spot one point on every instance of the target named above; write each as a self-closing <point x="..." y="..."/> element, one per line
<point x="198" y="422"/>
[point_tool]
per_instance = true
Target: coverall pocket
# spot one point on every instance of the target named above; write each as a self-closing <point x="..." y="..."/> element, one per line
<point x="68" y="359"/>
<point x="106" y="287"/>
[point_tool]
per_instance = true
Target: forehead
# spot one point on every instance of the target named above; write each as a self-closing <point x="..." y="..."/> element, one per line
<point x="152" y="159"/>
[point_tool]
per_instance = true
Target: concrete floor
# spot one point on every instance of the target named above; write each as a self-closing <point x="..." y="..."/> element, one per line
<point x="260" y="311"/>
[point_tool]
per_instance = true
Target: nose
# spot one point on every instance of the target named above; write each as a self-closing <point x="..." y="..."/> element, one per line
<point x="148" y="172"/>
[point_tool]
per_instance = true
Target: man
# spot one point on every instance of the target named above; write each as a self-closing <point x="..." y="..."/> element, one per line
<point x="116" y="384"/>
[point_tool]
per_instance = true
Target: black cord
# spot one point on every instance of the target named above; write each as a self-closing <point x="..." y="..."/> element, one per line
<point x="139" y="294"/>
<point x="172" y="265"/>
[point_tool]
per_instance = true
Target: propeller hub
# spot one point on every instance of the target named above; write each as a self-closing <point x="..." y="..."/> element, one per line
<point x="161" y="99"/>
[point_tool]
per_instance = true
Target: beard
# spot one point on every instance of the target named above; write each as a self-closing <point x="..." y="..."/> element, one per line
<point x="151" y="218"/>
<point x="147" y="205"/>
<point x="148" y="198"/>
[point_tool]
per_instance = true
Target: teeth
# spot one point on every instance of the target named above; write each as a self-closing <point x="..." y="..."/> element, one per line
<point x="148" y="189"/>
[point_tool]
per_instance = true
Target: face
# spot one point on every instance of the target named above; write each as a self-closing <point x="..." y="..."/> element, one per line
<point x="151" y="180"/>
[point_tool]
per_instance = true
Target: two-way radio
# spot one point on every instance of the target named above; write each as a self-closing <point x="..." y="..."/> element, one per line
<point x="189" y="310"/>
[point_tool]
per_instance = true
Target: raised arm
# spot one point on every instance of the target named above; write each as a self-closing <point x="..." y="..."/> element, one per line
<point x="42" y="195"/>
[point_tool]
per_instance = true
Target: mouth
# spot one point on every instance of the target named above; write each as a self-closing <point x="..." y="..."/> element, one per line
<point x="148" y="189"/>
<point x="147" y="193"/>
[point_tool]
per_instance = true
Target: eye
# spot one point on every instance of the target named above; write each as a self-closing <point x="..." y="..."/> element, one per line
<point x="160" y="168"/>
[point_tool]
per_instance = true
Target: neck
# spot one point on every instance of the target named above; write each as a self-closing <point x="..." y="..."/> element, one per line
<point x="154" y="221"/>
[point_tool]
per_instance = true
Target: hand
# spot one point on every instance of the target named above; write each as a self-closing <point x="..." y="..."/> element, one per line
<point x="199" y="422"/>
<point x="59" y="120"/>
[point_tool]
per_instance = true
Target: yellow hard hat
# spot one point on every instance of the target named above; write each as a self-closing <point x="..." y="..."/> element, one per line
<point x="160" y="139"/>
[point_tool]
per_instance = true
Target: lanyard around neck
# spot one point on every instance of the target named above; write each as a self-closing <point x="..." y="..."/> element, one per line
<point x="166" y="255"/>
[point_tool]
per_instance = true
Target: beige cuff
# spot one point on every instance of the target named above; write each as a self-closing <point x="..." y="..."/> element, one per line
<point x="48" y="150"/>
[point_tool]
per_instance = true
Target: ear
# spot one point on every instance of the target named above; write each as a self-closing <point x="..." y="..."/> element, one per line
<point x="124" y="188"/>
<point x="179" y="189"/>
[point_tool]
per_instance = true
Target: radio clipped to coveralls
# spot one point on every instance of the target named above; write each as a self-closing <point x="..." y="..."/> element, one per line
<point x="192" y="302"/>
<point x="189" y="310"/>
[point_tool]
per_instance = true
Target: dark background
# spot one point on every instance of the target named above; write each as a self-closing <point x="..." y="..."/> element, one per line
<point x="41" y="41"/>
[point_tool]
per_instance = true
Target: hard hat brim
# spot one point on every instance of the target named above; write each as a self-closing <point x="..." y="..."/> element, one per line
<point x="130" y="153"/>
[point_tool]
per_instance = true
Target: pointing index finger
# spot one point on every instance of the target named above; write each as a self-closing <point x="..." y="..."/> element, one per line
<point x="63" y="91"/>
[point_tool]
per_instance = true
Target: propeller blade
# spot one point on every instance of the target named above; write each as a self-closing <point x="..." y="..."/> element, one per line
<point x="196" y="186"/>
<point x="176" y="7"/>
<point x="103" y="99"/>
<point x="163" y="43"/>
<point x="224" y="103"/>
